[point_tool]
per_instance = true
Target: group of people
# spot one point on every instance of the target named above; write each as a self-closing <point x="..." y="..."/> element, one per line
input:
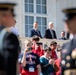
<point x="49" y="33"/>
<point x="40" y="59"/>
<point x="37" y="58"/>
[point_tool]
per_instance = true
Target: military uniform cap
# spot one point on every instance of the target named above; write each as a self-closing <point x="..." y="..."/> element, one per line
<point x="69" y="13"/>
<point x="5" y="6"/>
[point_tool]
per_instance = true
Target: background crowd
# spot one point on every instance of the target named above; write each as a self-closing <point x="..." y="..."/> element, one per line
<point x="40" y="59"/>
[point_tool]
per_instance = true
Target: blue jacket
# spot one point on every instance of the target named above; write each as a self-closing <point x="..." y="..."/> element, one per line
<point x="46" y="67"/>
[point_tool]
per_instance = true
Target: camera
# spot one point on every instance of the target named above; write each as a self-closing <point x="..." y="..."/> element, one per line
<point x="30" y="48"/>
<point x="39" y="43"/>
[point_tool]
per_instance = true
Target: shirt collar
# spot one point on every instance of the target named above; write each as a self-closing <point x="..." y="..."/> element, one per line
<point x="50" y="29"/>
<point x="35" y="29"/>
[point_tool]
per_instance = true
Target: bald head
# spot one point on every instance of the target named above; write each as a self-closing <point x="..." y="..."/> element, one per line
<point x="51" y="25"/>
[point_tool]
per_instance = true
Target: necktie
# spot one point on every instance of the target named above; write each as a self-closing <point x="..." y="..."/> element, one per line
<point x="37" y="32"/>
<point x="52" y="34"/>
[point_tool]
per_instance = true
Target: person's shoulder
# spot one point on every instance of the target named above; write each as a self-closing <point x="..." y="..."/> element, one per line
<point x="32" y="30"/>
<point x="66" y="45"/>
<point x="47" y="29"/>
<point x="42" y="57"/>
<point x="53" y="30"/>
<point x="39" y="30"/>
<point x="12" y="35"/>
<point x="35" y="54"/>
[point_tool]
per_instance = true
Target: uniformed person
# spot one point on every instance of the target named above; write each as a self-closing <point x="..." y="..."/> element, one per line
<point x="9" y="44"/>
<point x="69" y="49"/>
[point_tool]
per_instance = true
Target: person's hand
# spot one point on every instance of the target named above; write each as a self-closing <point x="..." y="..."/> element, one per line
<point x="26" y="50"/>
<point x="51" y="61"/>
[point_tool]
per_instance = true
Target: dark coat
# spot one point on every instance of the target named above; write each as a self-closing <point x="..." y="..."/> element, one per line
<point x="62" y="38"/>
<point x="9" y="53"/>
<point x="33" y="32"/>
<point x="68" y="56"/>
<point x="48" y="35"/>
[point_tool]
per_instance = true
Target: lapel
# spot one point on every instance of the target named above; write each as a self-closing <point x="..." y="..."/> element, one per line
<point x="50" y="34"/>
<point x="36" y="32"/>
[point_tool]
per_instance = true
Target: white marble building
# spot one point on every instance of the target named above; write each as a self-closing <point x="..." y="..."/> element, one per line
<point x="42" y="11"/>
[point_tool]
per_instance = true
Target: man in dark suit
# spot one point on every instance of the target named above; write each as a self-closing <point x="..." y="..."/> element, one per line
<point x="62" y="36"/>
<point x="68" y="63"/>
<point x="35" y="30"/>
<point x="50" y="33"/>
<point x="9" y="43"/>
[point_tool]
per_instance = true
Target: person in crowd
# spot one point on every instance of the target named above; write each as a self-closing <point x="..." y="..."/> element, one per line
<point x="14" y="29"/>
<point x="39" y="49"/>
<point x="50" y="33"/>
<point x="47" y="64"/>
<point x="35" y="30"/>
<point x="35" y="39"/>
<point x="37" y="46"/>
<point x="53" y="46"/>
<point x="62" y="36"/>
<point x="58" y="61"/>
<point x="30" y="61"/>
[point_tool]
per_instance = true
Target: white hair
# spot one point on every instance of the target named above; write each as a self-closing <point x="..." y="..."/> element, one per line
<point x="50" y="23"/>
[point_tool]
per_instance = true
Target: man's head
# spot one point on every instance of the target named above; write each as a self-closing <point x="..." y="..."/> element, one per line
<point x="35" y="39"/>
<point x="53" y="45"/>
<point x="35" y="25"/>
<point x="70" y="20"/>
<point x="6" y="14"/>
<point x="47" y="51"/>
<point x="51" y="25"/>
<point x="63" y="34"/>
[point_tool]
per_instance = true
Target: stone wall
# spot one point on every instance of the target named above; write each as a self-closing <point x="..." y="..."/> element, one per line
<point x="44" y="41"/>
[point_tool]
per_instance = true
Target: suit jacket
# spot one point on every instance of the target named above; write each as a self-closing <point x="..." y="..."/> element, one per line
<point x="68" y="56"/>
<point x="48" y="34"/>
<point x="34" y="32"/>
<point x="9" y="53"/>
<point x="62" y="38"/>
